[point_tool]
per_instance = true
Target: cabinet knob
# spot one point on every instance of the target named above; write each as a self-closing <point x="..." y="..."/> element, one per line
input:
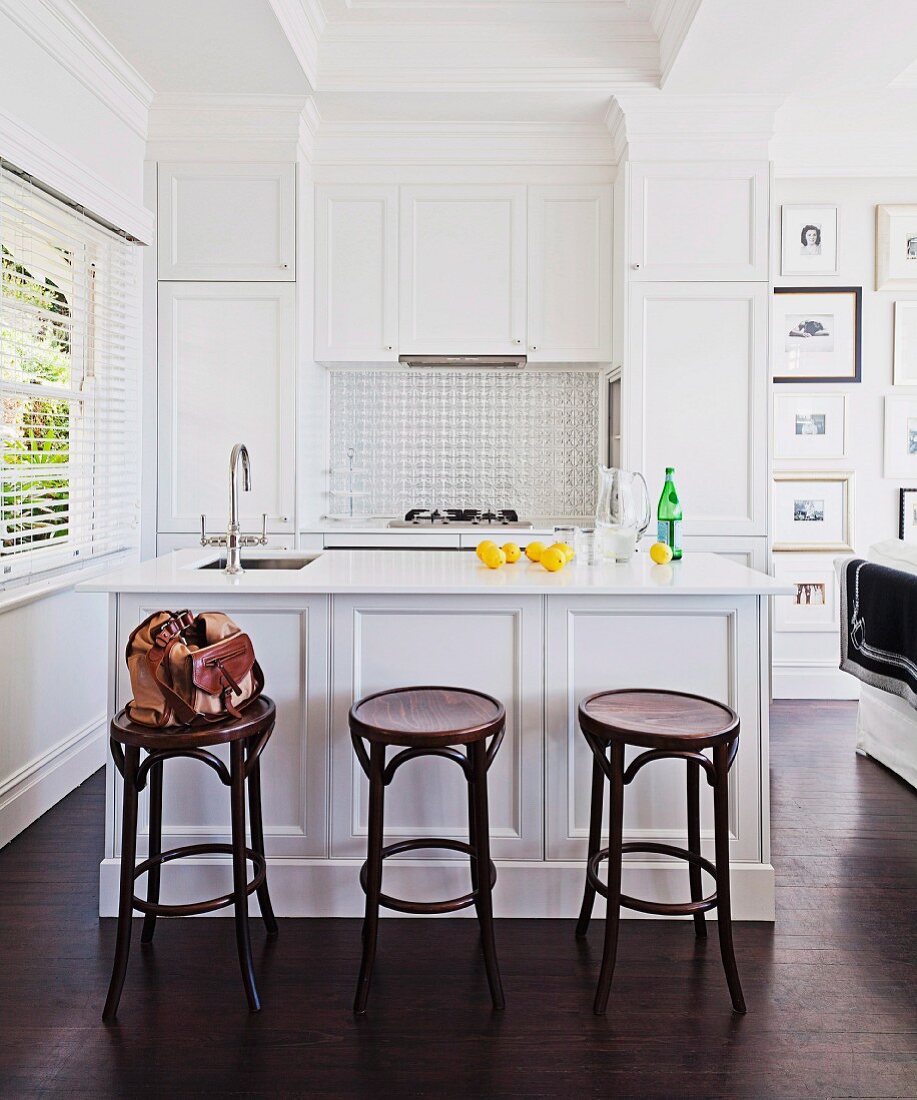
<point x="534" y="347"/>
<point x="636" y="267"/>
<point x="517" y="341"/>
<point x="389" y="347"/>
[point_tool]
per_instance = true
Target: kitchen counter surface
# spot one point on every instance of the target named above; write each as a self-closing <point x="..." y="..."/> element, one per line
<point x="438" y="572"/>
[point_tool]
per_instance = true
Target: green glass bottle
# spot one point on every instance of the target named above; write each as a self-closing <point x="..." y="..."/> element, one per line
<point x="669" y="514"/>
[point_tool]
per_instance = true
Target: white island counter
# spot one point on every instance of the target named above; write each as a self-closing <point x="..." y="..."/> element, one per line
<point x="353" y="622"/>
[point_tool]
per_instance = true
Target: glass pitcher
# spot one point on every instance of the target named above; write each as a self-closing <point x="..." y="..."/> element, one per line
<point x="622" y="514"/>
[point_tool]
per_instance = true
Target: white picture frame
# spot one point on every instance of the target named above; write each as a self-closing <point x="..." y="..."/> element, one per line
<point x="817" y="333"/>
<point x="808" y="239"/>
<point x="813" y="510"/>
<point x="814" y="608"/>
<point x="901" y="436"/>
<point x="810" y="426"/>
<point x="896" y="247"/>
<point x="905" y="354"/>
<point x="907" y="515"/>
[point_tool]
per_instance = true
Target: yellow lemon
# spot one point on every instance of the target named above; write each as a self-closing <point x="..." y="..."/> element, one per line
<point x="534" y="550"/>
<point x="567" y="549"/>
<point x="485" y="545"/>
<point x="661" y="553"/>
<point x="493" y="557"/>
<point x="512" y="551"/>
<point x="553" y="559"/>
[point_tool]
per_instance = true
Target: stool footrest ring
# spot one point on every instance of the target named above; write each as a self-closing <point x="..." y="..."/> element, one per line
<point x="196" y="907"/>
<point x="450" y="906"/>
<point x="664" y="908"/>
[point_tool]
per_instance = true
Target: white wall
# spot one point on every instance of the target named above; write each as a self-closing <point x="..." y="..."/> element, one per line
<point x="54" y="667"/>
<point x="805" y="664"/>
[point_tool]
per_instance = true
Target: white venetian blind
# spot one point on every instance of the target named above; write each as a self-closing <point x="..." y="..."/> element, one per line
<point x="69" y="325"/>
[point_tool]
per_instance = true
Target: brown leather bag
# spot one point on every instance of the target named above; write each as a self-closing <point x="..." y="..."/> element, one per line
<point x="190" y="670"/>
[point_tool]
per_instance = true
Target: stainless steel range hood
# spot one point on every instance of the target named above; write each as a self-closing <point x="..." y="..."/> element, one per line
<point x="463" y="362"/>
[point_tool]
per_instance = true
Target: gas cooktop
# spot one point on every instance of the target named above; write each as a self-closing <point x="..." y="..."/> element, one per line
<point x="461" y="517"/>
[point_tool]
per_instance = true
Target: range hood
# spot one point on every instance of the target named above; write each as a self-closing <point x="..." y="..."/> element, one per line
<point x="463" y="362"/>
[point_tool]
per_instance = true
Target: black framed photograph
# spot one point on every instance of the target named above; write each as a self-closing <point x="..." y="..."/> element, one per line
<point x="907" y="515"/>
<point x="818" y="333"/>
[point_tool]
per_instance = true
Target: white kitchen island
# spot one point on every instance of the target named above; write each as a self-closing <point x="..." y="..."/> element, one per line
<point x="354" y="622"/>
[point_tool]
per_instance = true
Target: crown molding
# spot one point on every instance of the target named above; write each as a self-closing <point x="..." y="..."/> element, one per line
<point x="671" y="20"/>
<point x="309" y="122"/>
<point x="303" y="23"/>
<point x="64" y="33"/>
<point x="55" y="168"/>
<point x="219" y="118"/>
<point x="400" y="143"/>
<point x="669" y="127"/>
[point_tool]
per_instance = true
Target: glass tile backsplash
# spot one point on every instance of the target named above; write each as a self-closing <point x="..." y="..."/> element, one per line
<point x="449" y="438"/>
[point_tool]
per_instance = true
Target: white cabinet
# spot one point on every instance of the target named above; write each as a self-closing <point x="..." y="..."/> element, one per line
<point x="569" y="274"/>
<point x="462" y="265"/>
<point x="356" y="273"/>
<point x="227" y="221"/>
<point x="699" y="221"/>
<point x="696" y="399"/>
<point x="383" y="642"/>
<point x="226" y="368"/>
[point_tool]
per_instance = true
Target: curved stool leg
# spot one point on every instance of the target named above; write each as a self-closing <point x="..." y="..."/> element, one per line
<point x="595" y="840"/>
<point x="257" y="829"/>
<point x="613" y="914"/>
<point x="239" y="878"/>
<point x="125" y="902"/>
<point x="700" y="925"/>
<point x="374" y="874"/>
<point x="154" y="874"/>
<point x="481" y="834"/>
<point x="724" y="907"/>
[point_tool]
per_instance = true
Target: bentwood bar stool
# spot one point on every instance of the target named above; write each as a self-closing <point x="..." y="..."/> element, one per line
<point x="428" y="721"/>
<point x="667" y="725"/>
<point x="246" y="737"/>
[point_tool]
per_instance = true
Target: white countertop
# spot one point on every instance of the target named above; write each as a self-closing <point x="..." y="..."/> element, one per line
<point x="440" y="573"/>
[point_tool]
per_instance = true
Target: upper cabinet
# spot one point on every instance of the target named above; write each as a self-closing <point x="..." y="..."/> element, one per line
<point x="227" y="222"/>
<point x="698" y="222"/>
<point x="462" y="284"/>
<point x="356" y="273"/>
<point x="569" y="277"/>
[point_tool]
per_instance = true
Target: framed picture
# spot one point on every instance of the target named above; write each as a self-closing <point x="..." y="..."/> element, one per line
<point x="808" y="240"/>
<point x="907" y="515"/>
<point x="901" y="437"/>
<point x="896" y="248"/>
<point x="810" y="425"/>
<point x="813" y="511"/>
<point x="905" y="344"/>
<point x="814" y="604"/>
<point x="817" y="333"/>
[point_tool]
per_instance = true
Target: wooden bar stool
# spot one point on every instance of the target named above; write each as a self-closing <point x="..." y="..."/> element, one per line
<point x="428" y="721"/>
<point x="246" y="737"/>
<point x="668" y="724"/>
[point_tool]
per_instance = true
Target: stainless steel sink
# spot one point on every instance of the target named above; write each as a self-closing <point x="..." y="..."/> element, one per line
<point x="288" y="561"/>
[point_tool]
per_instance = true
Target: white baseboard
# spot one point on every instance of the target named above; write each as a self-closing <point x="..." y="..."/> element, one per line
<point x="813" y="681"/>
<point x="44" y="781"/>
<point x="331" y="888"/>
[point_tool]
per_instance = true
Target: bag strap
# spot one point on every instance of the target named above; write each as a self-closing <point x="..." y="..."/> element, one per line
<point x="159" y="653"/>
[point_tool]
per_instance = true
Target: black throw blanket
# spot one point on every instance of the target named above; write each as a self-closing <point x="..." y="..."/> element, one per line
<point x="879" y="627"/>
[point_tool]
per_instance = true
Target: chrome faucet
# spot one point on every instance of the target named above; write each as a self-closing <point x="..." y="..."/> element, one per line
<point x="234" y="540"/>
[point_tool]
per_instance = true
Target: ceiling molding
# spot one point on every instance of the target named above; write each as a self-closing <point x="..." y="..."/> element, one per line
<point x="60" y="29"/>
<point x="309" y="122"/>
<point x="227" y="118"/>
<point x="303" y="23"/>
<point x="671" y="20"/>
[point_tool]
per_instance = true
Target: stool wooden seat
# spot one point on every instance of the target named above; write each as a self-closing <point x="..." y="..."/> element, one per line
<point x="247" y="737"/>
<point x="428" y="721"/>
<point x="668" y="725"/>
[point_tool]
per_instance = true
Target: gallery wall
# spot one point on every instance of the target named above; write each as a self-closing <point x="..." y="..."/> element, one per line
<point x="805" y="661"/>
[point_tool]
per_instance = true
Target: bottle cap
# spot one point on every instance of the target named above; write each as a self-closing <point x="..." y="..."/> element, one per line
<point x="670" y="469"/>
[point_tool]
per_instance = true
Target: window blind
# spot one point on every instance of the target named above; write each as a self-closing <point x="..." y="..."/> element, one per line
<point x="69" y="346"/>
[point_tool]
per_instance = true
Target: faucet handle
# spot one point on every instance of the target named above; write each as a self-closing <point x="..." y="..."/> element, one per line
<point x="264" y="528"/>
<point x="203" y="529"/>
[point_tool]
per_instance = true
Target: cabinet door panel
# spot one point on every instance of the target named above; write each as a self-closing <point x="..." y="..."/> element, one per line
<point x="696" y="400"/>
<point x="226" y="221"/>
<point x="569" y="283"/>
<point x="356" y="273"/>
<point x="699" y="221"/>
<point x="225" y="376"/>
<point x="462" y="269"/>
<point x="489" y="644"/>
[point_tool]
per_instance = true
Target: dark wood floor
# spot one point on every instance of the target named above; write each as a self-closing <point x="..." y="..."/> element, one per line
<point x="832" y="989"/>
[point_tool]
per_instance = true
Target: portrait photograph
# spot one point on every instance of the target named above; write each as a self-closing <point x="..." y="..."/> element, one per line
<point x="808" y="240"/>
<point x="813" y="511"/>
<point x="901" y="436"/>
<point x="813" y="605"/>
<point x="810" y="426"/>
<point x="896" y="247"/>
<point x="817" y="334"/>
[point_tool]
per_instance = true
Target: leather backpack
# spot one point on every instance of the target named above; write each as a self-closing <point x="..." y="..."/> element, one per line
<point x="190" y="670"/>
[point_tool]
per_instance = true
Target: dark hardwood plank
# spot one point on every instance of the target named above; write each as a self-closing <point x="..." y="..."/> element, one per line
<point x="832" y="988"/>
